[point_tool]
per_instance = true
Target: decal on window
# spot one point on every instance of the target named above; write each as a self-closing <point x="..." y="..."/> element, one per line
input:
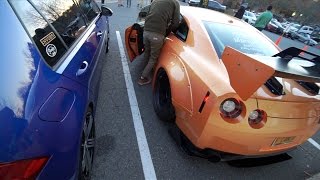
<point x="51" y="50"/>
<point x="47" y="39"/>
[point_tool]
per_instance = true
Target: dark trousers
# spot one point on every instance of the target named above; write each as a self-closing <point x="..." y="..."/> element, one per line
<point x="259" y="28"/>
<point x="152" y="43"/>
<point x="128" y="3"/>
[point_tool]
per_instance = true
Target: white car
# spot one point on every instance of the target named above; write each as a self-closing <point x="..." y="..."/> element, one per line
<point x="249" y="17"/>
<point x="290" y="28"/>
<point x="306" y="29"/>
<point x="305" y="38"/>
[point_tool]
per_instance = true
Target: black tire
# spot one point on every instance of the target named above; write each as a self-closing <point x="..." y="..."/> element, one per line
<point x="162" y="102"/>
<point x="306" y="42"/>
<point x="87" y="146"/>
<point x="107" y="48"/>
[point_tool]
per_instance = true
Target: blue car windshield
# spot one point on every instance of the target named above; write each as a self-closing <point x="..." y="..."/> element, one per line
<point x="222" y="35"/>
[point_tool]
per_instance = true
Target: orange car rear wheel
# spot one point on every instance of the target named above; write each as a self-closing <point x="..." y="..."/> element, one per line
<point x="162" y="102"/>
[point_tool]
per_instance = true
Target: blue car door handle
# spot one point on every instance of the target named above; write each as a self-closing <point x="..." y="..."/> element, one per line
<point x="83" y="68"/>
<point x="99" y="33"/>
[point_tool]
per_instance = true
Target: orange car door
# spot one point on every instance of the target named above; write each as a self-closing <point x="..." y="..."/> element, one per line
<point x="134" y="35"/>
<point x="134" y="40"/>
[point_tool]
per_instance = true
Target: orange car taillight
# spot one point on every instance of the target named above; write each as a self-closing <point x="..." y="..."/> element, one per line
<point x="257" y="119"/>
<point x="24" y="169"/>
<point x="205" y="99"/>
<point x="230" y="108"/>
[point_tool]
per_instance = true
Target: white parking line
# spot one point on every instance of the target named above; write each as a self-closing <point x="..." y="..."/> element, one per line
<point x="145" y="156"/>
<point x="314" y="143"/>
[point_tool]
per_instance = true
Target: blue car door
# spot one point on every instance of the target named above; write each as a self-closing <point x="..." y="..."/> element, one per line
<point x="84" y="34"/>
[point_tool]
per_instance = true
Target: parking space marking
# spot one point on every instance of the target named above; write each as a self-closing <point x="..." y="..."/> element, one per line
<point x="147" y="164"/>
<point x="314" y="143"/>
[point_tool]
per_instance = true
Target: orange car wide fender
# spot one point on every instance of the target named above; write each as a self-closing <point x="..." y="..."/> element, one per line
<point x="179" y="80"/>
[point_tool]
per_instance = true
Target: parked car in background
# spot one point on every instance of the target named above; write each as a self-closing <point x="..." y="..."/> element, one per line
<point x="249" y="17"/>
<point x="297" y="28"/>
<point x="215" y="5"/>
<point x="275" y="27"/>
<point x="306" y="29"/>
<point x="49" y="78"/>
<point x="194" y="2"/>
<point x="271" y="27"/>
<point x="304" y="37"/>
<point x="316" y="36"/>
<point x="280" y="28"/>
<point x="257" y="14"/>
<point x="292" y="27"/>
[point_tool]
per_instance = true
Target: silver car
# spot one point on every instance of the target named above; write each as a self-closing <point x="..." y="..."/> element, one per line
<point x="305" y="38"/>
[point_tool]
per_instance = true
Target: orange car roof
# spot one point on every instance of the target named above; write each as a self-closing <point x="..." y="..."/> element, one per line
<point x="202" y="14"/>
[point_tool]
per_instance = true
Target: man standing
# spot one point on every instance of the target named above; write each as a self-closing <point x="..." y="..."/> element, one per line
<point x="264" y="19"/>
<point x="240" y="12"/>
<point x="164" y="16"/>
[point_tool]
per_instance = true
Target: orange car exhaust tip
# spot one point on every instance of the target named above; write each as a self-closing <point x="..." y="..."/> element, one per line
<point x="231" y="109"/>
<point x="257" y="118"/>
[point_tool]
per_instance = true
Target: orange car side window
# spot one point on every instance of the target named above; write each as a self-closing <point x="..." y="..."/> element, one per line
<point x="182" y="31"/>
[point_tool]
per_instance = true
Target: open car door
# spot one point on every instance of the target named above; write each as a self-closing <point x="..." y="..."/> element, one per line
<point x="134" y="40"/>
<point x="134" y="35"/>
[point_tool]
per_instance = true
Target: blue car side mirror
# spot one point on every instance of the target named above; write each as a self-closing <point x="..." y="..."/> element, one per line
<point x="106" y="11"/>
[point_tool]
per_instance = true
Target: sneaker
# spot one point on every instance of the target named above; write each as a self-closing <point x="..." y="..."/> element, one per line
<point x="143" y="81"/>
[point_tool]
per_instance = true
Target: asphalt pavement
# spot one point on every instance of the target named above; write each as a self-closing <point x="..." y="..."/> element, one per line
<point x="118" y="155"/>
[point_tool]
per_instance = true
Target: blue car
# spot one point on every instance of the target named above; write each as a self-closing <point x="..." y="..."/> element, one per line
<point x="51" y="61"/>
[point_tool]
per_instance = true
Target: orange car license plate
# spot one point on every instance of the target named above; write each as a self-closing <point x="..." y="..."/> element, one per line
<point x="282" y="140"/>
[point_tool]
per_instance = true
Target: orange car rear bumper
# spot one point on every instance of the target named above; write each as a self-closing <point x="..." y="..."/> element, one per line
<point x="277" y="135"/>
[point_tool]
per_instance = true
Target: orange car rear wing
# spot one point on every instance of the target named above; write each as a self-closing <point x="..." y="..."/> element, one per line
<point x="249" y="72"/>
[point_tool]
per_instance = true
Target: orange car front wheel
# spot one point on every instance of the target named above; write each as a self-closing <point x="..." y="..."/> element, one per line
<point x="162" y="102"/>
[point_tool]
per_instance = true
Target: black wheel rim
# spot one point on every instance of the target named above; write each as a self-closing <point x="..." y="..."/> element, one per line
<point x="87" y="146"/>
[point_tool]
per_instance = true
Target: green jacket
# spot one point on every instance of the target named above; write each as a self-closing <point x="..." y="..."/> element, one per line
<point x="161" y="14"/>
<point x="263" y="19"/>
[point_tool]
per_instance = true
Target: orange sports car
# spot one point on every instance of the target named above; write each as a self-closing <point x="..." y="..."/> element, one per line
<point x="229" y="89"/>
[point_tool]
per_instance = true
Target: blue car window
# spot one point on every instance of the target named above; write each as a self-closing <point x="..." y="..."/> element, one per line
<point x="65" y="16"/>
<point x="89" y="8"/>
<point x="46" y="38"/>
